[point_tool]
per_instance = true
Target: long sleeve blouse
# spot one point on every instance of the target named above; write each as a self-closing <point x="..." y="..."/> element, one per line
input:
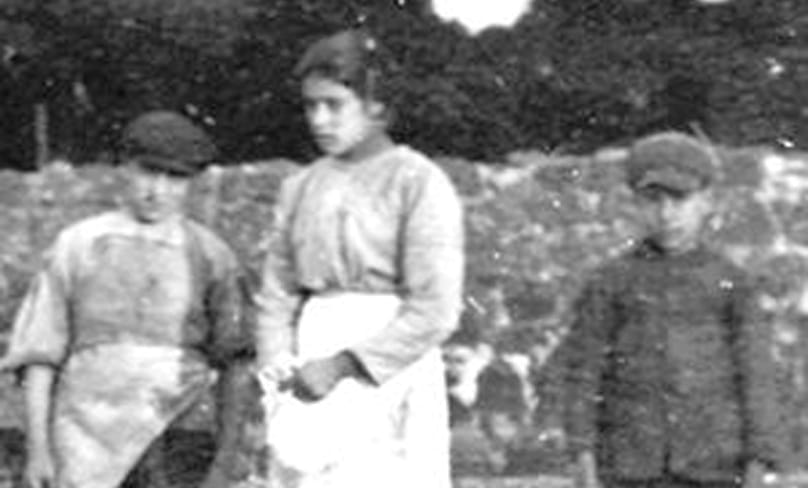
<point x="391" y="223"/>
<point x="109" y="279"/>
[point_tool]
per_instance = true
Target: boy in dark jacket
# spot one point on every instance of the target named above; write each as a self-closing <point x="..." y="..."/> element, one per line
<point x="669" y="375"/>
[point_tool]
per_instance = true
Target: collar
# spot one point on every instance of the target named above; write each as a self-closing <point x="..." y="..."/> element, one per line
<point x="371" y="146"/>
<point x="170" y="232"/>
<point x="650" y="249"/>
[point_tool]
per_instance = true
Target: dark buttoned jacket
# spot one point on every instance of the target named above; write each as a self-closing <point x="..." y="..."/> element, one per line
<point x="669" y="370"/>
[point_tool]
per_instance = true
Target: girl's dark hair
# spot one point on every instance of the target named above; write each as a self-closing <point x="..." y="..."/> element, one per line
<point x="352" y="57"/>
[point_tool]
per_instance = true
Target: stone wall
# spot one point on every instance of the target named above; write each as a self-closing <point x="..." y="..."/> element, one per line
<point x="536" y="225"/>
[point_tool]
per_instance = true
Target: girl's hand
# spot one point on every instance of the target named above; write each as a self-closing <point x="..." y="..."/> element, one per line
<point x="316" y="378"/>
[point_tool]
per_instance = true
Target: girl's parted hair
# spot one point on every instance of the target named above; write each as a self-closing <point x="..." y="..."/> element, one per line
<point x="352" y="57"/>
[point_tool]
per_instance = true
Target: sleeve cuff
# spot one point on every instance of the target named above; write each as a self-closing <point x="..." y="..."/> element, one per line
<point x="14" y="363"/>
<point x="354" y="366"/>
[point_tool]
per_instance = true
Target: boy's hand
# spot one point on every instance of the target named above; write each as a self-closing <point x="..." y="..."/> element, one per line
<point x="316" y="378"/>
<point x="586" y="472"/>
<point x="754" y="475"/>
<point x="39" y="471"/>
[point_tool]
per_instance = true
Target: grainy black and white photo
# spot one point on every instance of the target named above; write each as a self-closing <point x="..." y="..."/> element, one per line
<point x="404" y="243"/>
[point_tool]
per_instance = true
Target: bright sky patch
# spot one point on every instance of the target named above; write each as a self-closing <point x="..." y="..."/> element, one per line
<point x="476" y="15"/>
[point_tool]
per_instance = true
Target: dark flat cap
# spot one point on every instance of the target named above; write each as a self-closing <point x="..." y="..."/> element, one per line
<point x="167" y="141"/>
<point x="671" y="161"/>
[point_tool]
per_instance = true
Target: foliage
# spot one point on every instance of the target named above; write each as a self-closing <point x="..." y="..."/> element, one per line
<point x="572" y="75"/>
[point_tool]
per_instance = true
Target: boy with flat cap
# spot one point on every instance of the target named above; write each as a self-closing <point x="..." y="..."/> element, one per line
<point x="669" y="378"/>
<point x="133" y="315"/>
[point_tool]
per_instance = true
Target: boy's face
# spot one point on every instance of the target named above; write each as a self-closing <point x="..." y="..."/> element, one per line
<point x="674" y="220"/>
<point x="155" y="196"/>
<point x="456" y="359"/>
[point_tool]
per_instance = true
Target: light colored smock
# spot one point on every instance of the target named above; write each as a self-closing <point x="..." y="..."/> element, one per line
<point x="131" y="316"/>
<point x="373" y="253"/>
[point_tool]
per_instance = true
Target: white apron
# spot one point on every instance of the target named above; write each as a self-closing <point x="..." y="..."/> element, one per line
<point x="112" y="401"/>
<point x="360" y="435"/>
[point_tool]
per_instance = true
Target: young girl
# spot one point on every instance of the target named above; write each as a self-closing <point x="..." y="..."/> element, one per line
<point x="362" y="282"/>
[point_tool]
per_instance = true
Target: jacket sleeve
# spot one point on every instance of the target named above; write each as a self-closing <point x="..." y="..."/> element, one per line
<point x="763" y="417"/>
<point x="584" y="354"/>
<point x="278" y="301"/>
<point x="41" y="329"/>
<point x="431" y="262"/>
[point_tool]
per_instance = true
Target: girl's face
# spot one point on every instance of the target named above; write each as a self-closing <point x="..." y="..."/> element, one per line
<point x="153" y="196"/>
<point x="675" y="221"/>
<point x="339" y="119"/>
